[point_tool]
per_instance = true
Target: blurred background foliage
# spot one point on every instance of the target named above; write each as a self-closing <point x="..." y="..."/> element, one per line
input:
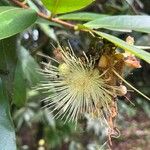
<point x="36" y="128"/>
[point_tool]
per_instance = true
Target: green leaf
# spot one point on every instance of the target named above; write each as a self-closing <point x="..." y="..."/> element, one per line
<point x="14" y="82"/>
<point x="122" y="23"/>
<point x="7" y="133"/>
<point x="48" y="31"/>
<point x="82" y="16"/>
<point x="8" y="60"/>
<point x="64" y="6"/>
<point x="29" y="67"/>
<point x="120" y="43"/>
<point x="26" y="76"/>
<point x="4" y="3"/>
<point x="14" y="20"/>
<point x="47" y="22"/>
<point x="19" y="89"/>
<point x="7" y="66"/>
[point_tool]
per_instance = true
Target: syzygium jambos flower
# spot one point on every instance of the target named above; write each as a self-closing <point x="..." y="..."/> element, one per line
<point x="77" y="87"/>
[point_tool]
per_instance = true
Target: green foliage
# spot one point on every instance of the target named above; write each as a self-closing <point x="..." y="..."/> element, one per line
<point x="7" y="132"/>
<point x="122" y="23"/>
<point x="26" y="75"/>
<point x="11" y="23"/>
<point x="120" y="43"/>
<point x="19" y="88"/>
<point x="7" y="66"/>
<point x="8" y="59"/>
<point x="14" y="20"/>
<point x="4" y="3"/>
<point x="19" y="69"/>
<point x="29" y="67"/>
<point x="64" y="6"/>
<point x="82" y="16"/>
<point x="59" y="133"/>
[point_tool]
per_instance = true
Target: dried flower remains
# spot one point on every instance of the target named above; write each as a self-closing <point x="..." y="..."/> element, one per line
<point x="79" y="85"/>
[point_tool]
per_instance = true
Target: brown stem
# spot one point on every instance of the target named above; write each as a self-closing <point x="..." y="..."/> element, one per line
<point x="23" y="5"/>
<point x="20" y="4"/>
<point x="62" y="22"/>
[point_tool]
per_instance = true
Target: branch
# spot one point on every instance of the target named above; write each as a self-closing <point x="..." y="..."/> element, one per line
<point x="23" y="5"/>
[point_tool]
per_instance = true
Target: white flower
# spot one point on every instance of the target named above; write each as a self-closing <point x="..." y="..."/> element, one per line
<point x="77" y="87"/>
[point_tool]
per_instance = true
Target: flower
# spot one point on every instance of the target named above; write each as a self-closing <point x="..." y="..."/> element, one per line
<point x="77" y="87"/>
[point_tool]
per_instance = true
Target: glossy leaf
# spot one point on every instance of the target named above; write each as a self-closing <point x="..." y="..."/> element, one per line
<point x="7" y="132"/>
<point x="122" y="44"/>
<point x="82" y="16"/>
<point x="64" y="6"/>
<point x="14" y="20"/>
<point x="122" y="23"/>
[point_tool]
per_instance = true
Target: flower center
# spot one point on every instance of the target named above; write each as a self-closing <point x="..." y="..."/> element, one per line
<point x="82" y="81"/>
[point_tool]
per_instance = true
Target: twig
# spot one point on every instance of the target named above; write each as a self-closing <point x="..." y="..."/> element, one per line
<point x="23" y="5"/>
<point x="63" y="22"/>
